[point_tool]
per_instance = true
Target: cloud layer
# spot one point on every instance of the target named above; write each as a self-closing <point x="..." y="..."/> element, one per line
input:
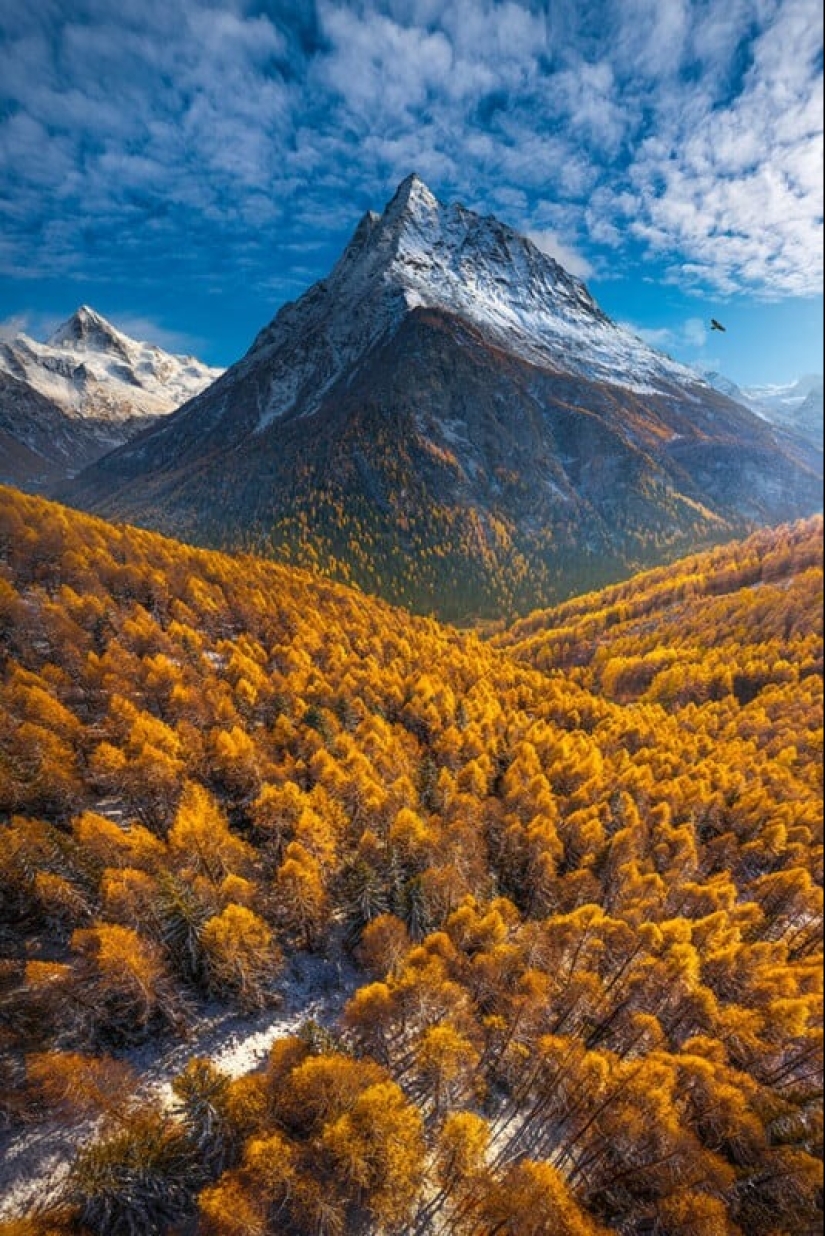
<point x="198" y="140"/>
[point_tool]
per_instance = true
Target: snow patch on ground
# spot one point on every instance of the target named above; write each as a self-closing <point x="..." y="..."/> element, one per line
<point x="34" y="1162"/>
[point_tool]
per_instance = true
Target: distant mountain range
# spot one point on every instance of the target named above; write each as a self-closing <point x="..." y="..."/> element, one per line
<point x="88" y="389"/>
<point x="797" y="406"/>
<point x="450" y="420"/>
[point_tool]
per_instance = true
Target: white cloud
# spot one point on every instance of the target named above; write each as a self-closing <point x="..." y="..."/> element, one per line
<point x="381" y="69"/>
<point x="690" y="335"/>
<point x="146" y="330"/>
<point x="649" y="37"/>
<point x="35" y="325"/>
<point x="731" y="186"/>
<point x="695" y="332"/>
<point x="17" y="324"/>
<point x="564" y="254"/>
<point x="664" y="124"/>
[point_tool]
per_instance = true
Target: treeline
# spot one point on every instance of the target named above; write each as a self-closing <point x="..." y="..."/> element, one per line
<point x="378" y="510"/>
<point x="690" y="619"/>
<point x="580" y="872"/>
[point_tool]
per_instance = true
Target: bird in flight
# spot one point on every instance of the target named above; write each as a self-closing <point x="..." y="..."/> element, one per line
<point x="714" y="325"/>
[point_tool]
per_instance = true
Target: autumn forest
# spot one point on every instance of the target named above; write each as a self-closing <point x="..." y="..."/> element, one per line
<point x="569" y="871"/>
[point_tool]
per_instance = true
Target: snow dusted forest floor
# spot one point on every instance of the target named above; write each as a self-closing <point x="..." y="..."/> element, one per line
<point x="35" y="1162"/>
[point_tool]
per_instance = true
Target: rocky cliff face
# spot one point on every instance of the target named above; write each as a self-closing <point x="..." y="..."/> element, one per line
<point x="451" y="420"/>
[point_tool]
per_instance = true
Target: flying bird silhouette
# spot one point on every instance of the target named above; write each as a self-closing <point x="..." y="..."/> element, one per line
<point x="714" y="325"/>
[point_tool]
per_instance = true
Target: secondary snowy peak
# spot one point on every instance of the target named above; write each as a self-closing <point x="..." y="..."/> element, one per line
<point x="420" y="253"/>
<point x="87" y="330"/>
<point x="89" y="369"/>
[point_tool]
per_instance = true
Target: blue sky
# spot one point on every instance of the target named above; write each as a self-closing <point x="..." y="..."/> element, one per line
<point x="186" y="166"/>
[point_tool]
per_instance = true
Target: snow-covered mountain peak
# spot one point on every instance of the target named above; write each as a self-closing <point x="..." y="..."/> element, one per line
<point x="422" y="254"/>
<point x="413" y="198"/>
<point x="448" y="257"/>
<point x="88" y="368"/>
<point x="796" y="405"/>
<point x="88" y="330"/>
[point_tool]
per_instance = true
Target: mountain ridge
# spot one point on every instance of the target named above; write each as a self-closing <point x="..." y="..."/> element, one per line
<point x="793" y="406"/>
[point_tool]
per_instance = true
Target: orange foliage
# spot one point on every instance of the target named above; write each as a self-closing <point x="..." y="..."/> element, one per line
<point x="577" y="864"/>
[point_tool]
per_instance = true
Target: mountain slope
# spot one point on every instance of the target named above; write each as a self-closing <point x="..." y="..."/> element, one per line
<point x="797" y="407"/>
<point x="451" y="420"/>
<point x="537" y="902"/>
<point x="673" y="635"/>
<point x="87" y="390"/>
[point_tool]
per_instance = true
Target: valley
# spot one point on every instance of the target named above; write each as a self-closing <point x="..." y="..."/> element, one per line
<point x="563" y="880"/>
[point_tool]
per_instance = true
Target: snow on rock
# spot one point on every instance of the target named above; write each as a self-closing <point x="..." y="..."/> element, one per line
<point x="89" y="369"/>
<point x="796" y="405"/>
<point x="422" y="254"/>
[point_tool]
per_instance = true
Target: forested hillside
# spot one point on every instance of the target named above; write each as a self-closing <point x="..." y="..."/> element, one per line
<point x="577" y="865"/>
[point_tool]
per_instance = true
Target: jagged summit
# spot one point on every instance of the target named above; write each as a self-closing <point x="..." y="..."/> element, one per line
<point x="413" y="195"/>
<point x="88" y="329"/>
<point x="87" y="389"/>
<point x="451" y="258"/>
<point x="422" y="254"/>
<point x="89" y="367"/>
<point x="80" y="323"/>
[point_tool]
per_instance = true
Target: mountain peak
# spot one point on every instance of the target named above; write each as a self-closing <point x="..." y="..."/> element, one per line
<point x="413" y="194"/>
<point x="82" y="319"/>
<point x="413" y="210"/>
<point x="421" y="253"/>
<point x="88" y="329"/>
